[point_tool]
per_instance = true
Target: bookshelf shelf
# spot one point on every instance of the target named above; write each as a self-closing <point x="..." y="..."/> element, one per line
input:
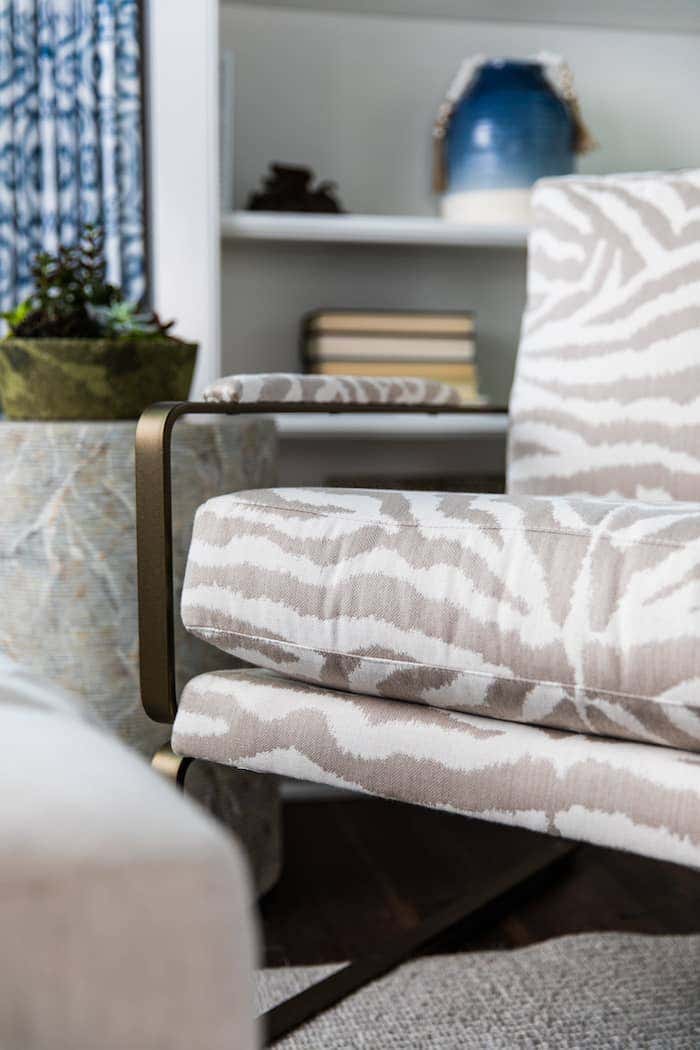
<point x="408" y="427"/>
<point x="667" y="17"/>
<point x="366" y="229"/>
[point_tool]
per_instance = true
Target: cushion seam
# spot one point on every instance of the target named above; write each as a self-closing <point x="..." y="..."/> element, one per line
<point x="437" y="667"/>
<point x="674" y="545"/>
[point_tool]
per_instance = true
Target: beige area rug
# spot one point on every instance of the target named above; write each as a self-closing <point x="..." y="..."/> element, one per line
<point x="597" y="991"/>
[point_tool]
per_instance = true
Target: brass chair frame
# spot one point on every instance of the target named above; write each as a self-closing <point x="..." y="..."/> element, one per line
<point x="159" y="694"/>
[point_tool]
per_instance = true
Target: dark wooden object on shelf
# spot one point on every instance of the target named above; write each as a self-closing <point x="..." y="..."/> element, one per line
<point x="290" y="188"/>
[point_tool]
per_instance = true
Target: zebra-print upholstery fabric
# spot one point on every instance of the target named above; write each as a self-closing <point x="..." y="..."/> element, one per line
<point x="579" y="614"/>
<point x="613" y="793"/>
<point x="290" y="387"/>
<point x="606" y="400"/>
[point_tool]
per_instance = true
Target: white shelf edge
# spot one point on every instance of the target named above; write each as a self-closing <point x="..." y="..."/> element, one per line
<point x="366" y="229"/>
<point x="409" y="427"/>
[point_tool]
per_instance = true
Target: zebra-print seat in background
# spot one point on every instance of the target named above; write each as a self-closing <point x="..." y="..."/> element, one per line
<point x="280" y="387"/>
<point x="580" y="614"/>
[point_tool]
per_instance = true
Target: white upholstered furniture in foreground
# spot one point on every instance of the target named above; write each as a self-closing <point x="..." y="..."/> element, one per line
<point x="532" y="658"/>
<point x="124" y="911"/>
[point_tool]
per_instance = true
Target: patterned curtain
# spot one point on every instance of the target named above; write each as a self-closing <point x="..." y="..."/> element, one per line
<point x="70" y="135"/>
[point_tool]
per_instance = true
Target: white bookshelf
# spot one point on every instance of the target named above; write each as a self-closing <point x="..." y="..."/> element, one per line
<point x="367" y="229"/>
<point x="344" y="88"/>
<point x="314" y="448"/>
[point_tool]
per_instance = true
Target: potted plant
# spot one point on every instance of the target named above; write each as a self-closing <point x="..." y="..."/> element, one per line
<point x="76" y="349"/>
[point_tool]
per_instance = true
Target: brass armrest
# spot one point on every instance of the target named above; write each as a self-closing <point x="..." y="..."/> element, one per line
<point x="154" y="525"/>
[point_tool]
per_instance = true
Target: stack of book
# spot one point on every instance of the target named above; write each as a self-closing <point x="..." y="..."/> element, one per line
<point x="398" y="343"/>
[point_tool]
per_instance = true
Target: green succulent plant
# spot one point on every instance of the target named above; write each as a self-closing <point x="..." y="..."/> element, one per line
<point x="72" y="298"/>
<point x="123" y="318"/>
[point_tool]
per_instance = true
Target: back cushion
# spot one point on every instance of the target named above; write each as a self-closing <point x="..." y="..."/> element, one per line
<point x="606" y="399"/>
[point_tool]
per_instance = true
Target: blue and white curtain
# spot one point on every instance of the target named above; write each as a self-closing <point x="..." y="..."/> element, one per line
<point x="71" y="147"/>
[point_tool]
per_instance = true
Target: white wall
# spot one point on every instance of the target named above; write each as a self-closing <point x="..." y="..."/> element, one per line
<point x="354" y="97"/>
<point x="184" y="171"/>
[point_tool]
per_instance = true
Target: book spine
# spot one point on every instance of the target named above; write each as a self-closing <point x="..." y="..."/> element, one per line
<point x="389" y="322"/>
<point x="444" y="373"/>
<point x="384" y="348"/>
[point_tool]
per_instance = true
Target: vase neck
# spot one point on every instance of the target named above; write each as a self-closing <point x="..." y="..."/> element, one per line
<point x="507" y="74"/>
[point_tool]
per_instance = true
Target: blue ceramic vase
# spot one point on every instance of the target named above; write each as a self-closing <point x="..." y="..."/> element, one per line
<point x="509" y="129"/>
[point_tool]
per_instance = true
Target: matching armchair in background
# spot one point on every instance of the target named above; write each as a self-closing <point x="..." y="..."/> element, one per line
<point x="531" y="658"/>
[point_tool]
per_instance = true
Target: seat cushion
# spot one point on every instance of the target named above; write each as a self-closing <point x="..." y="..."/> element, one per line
<point x="580" y="614"/>
<point x="615" y="793"/>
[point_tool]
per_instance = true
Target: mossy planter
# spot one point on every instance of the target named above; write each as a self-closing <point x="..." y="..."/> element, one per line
<point x="92" y="378"/>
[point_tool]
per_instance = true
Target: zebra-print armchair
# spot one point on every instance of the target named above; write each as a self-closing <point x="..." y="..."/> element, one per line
<point x="531" y="658"/>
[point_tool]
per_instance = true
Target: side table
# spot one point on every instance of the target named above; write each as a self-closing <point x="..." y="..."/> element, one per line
<point x="68" y="580"/>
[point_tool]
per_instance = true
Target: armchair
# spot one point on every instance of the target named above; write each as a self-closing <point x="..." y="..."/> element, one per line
<point x="532" y="658"/>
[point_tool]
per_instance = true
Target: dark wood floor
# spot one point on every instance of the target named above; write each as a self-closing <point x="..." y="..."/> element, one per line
<point x="356" y="870"/>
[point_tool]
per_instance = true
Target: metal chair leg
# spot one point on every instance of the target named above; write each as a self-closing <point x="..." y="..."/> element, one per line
<point x="474" y="911"/>
<point x="171" y="766"/>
